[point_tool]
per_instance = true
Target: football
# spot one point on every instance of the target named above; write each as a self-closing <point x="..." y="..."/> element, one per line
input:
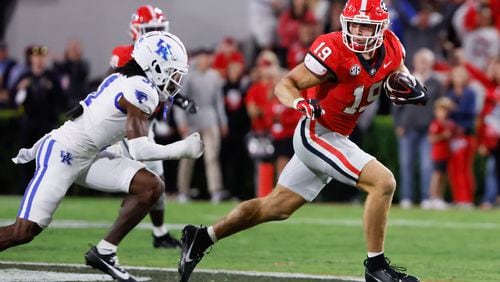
<point x="399" y="83"/>
<point x="404" y="88"/>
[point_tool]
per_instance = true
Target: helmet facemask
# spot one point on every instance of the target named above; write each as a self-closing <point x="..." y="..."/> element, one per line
<point x="363" y="43"/>
<point x="167" y="79"/>
<point x="153" y="26"/>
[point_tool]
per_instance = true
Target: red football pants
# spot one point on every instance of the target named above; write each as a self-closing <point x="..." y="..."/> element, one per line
<point x="460" y="170"/>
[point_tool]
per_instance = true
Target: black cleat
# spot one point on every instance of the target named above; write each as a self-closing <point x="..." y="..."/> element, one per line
<point x="166" y="241"/>
<point x="107" y="264"/>
<point x="189" y="256"/>
<point x="388" y="273"/>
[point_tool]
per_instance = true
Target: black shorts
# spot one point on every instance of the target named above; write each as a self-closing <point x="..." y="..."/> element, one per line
<point x="440" y="165"/>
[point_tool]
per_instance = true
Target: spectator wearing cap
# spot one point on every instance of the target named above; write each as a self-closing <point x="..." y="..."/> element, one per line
<point x="39" y="94"/>
<point x="227" y="53"/>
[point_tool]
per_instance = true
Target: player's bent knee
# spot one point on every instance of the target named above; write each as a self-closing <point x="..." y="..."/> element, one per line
<point x="25" y="232"/>
<point x="155" y="190"/>
<point x="281" y="204"/>
<point x="387" y="184"/>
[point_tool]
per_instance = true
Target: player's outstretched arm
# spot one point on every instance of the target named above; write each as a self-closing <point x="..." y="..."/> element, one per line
<point x="142" y="149"/>
<point x="289" y="87"/>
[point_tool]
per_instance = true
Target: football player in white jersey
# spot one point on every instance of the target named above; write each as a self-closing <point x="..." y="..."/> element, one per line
<point x="74" y="153"/>
<point x="145" y="19"/>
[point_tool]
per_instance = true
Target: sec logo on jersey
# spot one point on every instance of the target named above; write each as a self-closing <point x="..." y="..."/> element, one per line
<point x="355" y="70"/>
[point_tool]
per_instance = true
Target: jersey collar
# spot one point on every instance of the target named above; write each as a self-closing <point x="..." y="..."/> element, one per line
<point x="372" y="70"/>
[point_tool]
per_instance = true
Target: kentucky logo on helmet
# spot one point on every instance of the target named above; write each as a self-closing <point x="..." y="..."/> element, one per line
<point x="164" y="50"/>
<point x="355" y="70"/>
<point x="141" y="96"/>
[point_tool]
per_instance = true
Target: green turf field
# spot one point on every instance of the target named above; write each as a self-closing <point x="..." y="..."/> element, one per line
<point x="320" y="239"/>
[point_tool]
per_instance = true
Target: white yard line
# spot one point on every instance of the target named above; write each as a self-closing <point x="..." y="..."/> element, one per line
<point x="81" y="224"/>
<point x="210" y="271"/>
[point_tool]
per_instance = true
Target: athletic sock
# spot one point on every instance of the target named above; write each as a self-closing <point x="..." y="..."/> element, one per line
<point x="159" y="231"/>
<point x="106" y="248"/>
<point x="375" y="263"/>
<point x="211" y="234"/>
<point x="203" y="240"/>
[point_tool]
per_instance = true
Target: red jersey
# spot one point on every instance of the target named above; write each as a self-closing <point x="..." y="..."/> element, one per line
<point x="354" y="82"/>
<point x="257" y="94"/>
<point x="441" y="149"/>
<point x="121" y="55"/>
<point x="280" y="120"/>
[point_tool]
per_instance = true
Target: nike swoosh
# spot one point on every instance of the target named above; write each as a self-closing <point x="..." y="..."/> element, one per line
<point x="387" y="64"/>
<point x="188" y="259"/>
<point x="418" y="97"/>
<point x="117" y="272"/>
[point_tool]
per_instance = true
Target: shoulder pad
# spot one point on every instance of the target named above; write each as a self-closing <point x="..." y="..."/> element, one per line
<point x="140" y="92"/>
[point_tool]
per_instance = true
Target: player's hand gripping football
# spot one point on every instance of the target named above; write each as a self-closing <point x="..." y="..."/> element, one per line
<point x="185" y="103"/>
<point x="310" y="107"/>
<point x="403" y="88"/>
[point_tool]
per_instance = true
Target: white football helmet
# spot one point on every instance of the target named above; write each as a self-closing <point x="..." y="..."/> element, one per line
<point x="163" y="58"/>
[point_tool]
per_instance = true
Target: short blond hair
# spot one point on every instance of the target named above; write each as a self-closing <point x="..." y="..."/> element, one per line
<point x="444" y="102"/>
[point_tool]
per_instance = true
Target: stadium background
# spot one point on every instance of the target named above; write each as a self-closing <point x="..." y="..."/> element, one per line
<point x="435" y="243"/>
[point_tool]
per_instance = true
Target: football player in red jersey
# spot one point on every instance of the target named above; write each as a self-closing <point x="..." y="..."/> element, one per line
<point x="348" y="69"/>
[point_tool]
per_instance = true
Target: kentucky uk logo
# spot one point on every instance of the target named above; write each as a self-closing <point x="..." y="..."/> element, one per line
<point x="164" y="50"/>
<point x="66" y="157"/>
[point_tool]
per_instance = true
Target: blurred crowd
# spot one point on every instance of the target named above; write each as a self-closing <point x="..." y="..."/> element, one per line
<point x="452" y="46"/>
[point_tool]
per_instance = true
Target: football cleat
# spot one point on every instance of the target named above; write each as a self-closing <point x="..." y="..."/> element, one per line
<point x="388" y="273"/>
<point x="190" y="255"/>
<point x="107" y="264"/>
<point x="166" y="241"/>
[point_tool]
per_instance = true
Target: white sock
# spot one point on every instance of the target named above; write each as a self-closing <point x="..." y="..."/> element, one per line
<point x="106" y="248"/>
<point x="374" y="254"/>
<point x="211" y="234"/>
<point x="159" y="231"/>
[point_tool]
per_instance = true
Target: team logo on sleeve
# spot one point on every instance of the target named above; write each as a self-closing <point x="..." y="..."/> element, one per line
<point x="164" y="50"/>
<point x="66" y="157"/>
<point x="355" y="70"/>
<point x="141" y="96"/>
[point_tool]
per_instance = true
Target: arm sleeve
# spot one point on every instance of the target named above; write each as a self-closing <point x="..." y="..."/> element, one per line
<point x="141" y="149"/>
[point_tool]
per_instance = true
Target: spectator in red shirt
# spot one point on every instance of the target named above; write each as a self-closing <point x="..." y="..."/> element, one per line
<point x="441" y="130"/>
<point x="227" y="53"/>
<point x="259" y="97"/>
<point x="298" y="50"/>
<point x="288" y="25"/>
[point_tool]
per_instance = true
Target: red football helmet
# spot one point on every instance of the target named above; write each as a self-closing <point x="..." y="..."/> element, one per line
<point x="147" y="18"/>
<point x="364" y="12"/>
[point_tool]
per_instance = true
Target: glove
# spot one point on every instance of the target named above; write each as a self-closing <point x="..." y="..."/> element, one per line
<point x="310" y="107"/>
<point x="411" y="91"/>
<point x="185" y="103"/>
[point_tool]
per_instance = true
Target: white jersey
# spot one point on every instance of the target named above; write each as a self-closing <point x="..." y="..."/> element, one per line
<point x="103" y="120"/>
